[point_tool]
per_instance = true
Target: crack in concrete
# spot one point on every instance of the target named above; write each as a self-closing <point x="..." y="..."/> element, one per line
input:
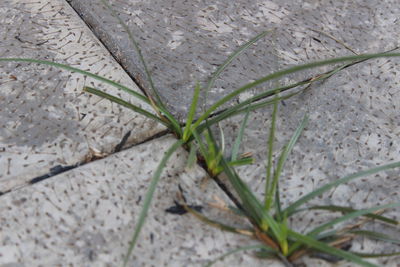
<point x="58" y="169"/>
<point x="135" y="79"/>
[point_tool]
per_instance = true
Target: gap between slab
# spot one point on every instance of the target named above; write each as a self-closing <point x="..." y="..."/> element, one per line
<point x="58" y="169"/>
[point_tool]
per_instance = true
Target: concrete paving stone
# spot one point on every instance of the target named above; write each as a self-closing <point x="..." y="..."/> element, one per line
<point x="354" y="121"/>
<point x="354" y="116"/>
<point x="46" y="121"/>
<point x="86" y="216"/>
<point x="184" y="41"/>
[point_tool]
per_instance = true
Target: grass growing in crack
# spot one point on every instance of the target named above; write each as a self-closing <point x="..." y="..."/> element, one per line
<point x="268" y="219"/>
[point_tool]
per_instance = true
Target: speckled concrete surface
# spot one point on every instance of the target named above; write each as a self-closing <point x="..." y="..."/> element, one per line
<point x="184" y="41"/>
<point x="354" y="116"/>
<point x="46" y="120"/>
<point x="85" y="217"/>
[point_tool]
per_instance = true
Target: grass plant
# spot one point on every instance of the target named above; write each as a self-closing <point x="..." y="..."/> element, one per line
<point x="268" y="219"/>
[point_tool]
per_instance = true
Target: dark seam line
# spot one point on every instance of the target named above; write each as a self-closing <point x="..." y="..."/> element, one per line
<point x="123" y="142"/>
<point x="95" y="32"/>
<point x="58" y="169"/>
<point x="53" y="171"/>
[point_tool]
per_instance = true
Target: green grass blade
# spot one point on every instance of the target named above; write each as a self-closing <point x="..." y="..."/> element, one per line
<point x="124" y="103"/>
<point x="229" y="60"/>
<point x="291" y="208"/>
<point x="343" y="209"/>
<point x="238" y="108"/>
<point x="233" y="112"/>
<point x="192" y="155"/>
<point x="282" y="159"/>
<point x="72" y="69"/>
<point x="149" y="197"/>
<point x="350" y="216"/>
<point x="233" y="251"/>
<point x="214" y="223"/>
<point x="251" y="204"/>
<point x="192" y="112"/>
<point x="341" y="219"/>
<point x="239" y="137"/>
<point x="271" y="139"/>
<point x="278" y="209"/>
<point x="159" y="103"/>
<point x="377" y="255"/>
<point x="284" y="72"/>
<point x="137" y="48"/>
<point x="174" y="122"/>
<point x="211" y="144"/>
<point x="375" y="235"/>
<point x="242" y="161"/>
<point x="315" y="244"/>
<point x="222" y="135"/>
<point x="273" y="91"/>
<point x="200" y="142"/>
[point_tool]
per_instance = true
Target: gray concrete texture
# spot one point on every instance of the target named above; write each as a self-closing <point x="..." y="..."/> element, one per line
<point x="84" y="217"/>
<point x="354" y="116"/>
<point x="46" y="120"/>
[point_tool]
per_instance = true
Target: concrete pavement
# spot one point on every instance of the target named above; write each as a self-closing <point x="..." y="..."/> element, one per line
<point x="85" y="215"/>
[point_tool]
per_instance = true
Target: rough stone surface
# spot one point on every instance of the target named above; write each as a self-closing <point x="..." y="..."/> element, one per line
<point x="184" y="41"/>
<point x="86" y="216"/>
<point x="354" y="116"/>
<point x="46" y="120"/>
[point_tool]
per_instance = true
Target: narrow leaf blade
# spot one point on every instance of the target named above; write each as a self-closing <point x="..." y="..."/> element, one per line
<point x="192" y="112"/>
<point x="311" y="242"/>
<point x="239" y="137"/>
<point x="148" y="198"/>
<point x="291" y="208"/>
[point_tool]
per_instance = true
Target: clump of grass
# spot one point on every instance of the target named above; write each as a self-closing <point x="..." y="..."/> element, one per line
<point x="268" y="219"/>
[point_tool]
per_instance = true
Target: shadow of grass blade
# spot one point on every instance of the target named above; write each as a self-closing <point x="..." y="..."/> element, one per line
<point x="315" y="244"/>
<point x="350" y="216"/>
<point x="375" y="235"/>
<point x="284" y="72"/>
<point x="149" y="197"/>
<point x="344" y="209"/>
<point x="240" y="249"/>
<point x="292" y="207"/>
<point x="72" y="69"/>
<point x="229" y="60"/>
<point x="124" y="103"/>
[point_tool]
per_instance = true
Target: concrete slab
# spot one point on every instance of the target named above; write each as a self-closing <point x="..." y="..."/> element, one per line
<point x="183" y="42"/>
<point x="80" y="217"/>
<point x="85" y="217"/>
<point x="47" y="123"/>
<point x="354" y="116"/>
